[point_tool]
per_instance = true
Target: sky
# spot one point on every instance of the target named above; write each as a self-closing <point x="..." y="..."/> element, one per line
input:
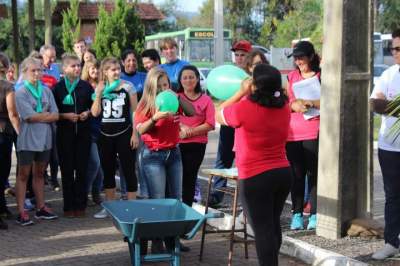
<point x="185" y="5"/>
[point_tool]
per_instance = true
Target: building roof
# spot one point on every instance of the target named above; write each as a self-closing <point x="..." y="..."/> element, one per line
<point x="90" y="10"/>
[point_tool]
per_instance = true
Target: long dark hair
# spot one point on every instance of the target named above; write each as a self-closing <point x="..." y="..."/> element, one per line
<point x="197" y="89"/>
<point x="269" y="92"/>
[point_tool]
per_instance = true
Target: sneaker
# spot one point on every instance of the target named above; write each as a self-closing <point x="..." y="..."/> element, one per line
<point x="9" y="192"/>
<point x="307" y="208"/>
<point x="45" y="213"/>
<point x="197" y="193"/>
<point x="312" y="222"/>
<point x="385" y="252"/>
<point x="23" y="219"/>
<point x="55" y="185"/>
<point x="28" y="206"/>
<point x="96" y="198"/>
<point x="101" y="214"/>
<point x="297" y="222"/>
<point x="3" y="225"/>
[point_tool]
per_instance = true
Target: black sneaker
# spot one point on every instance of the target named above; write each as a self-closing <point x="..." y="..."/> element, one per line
<point x="3" y="225"/>
<point x="24" y="219"/>
<point x="45" y="213"/>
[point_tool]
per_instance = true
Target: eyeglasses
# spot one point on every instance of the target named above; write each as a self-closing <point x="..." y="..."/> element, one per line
<point x="395" y="49"/>
<point x="237" y="55"/>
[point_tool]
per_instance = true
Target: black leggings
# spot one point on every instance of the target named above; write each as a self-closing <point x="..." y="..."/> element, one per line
<point x="192" y="156"/>
<point x="263" y="197"/>
<point x="109" y="147"/>
<point x="303" y="158"/>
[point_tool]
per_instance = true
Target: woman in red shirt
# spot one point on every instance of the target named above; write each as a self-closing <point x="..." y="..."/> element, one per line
<point x="260" y="115"/>
<point x="302" y="146"/>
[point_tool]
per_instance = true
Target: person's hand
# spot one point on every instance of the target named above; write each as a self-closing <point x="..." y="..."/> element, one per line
<point x="72" y="117"/>
<point x="299" y="106"/>
<point x="246" y="86"/>
<point x="83" y="116"/>
<point x="134" y="142"/>
<point x="160" y="115"/>
<point x="185" y="132"/>
<point x="99" y="89"/>
<point x="308" y="104"/>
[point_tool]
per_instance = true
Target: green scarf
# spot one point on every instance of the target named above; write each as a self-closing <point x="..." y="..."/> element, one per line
<point x="36" y="92"/>
<point x="108" y="90"/>
<point x="68" y="100"/>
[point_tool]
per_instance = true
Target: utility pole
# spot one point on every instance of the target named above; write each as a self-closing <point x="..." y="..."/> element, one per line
<point x="218" y="33"/>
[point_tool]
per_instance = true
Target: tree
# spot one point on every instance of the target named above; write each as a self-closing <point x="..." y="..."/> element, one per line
<point x="388" y="15"/>
<point x="303" y="21"/>
<point x="71" y="26"/>
<point x="135" y="31"/>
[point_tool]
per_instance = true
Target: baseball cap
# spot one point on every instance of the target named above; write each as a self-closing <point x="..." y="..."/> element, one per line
<point x="241" y="45"/>
<point x="303" y="48"/>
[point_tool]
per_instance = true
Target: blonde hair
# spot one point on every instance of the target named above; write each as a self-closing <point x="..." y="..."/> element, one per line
<point x="151" y="89"/>
<point x="105" y="65"/>
<point x="85" y="70"/>
<point x="28" y="62"/>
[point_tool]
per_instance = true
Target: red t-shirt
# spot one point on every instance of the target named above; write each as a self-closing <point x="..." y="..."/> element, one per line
<point x="260" y="136"/>
<point x="164" y="134"/>
<point x="300" y="128"/>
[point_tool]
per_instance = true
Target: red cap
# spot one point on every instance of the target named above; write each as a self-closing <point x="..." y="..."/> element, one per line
<point x="241" y="45"/>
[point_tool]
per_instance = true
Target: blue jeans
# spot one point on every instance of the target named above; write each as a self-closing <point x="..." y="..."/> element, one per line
<point x="94" y="171"/>
<point x="163" y="170"/>
<point x="225" y="157"/>
<point x="143" y="190"/>
<point x="390" y="166"/>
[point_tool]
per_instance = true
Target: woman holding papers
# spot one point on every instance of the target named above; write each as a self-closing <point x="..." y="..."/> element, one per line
<point x="303" y="89"/>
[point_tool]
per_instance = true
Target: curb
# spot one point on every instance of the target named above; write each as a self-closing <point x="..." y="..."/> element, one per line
<point x="301" y="250"/>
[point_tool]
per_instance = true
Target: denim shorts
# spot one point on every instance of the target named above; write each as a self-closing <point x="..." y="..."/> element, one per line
<point x="27" y="157"/>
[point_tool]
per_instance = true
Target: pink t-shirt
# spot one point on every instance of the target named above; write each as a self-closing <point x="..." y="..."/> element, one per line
<point x="300" y="128"/>
<point x="260" y="136"/>
<point x="205" y="113"/>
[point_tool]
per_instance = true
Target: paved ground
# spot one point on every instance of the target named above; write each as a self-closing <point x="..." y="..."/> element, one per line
<point x="88" y="241"/>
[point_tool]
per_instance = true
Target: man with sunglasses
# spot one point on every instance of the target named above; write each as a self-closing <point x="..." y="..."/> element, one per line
<point x="386" y="89"/>
<point x="225" y="155"/>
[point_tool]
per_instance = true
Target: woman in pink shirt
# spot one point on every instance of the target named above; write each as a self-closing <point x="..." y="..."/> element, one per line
<point x="302" y="145"/>
<point x="193" y="129"/>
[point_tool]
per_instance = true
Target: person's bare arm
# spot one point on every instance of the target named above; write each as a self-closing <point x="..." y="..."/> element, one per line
<point x="12" y="111"/>
<point x="45" y="117"/>
<point x="379" y="104"/>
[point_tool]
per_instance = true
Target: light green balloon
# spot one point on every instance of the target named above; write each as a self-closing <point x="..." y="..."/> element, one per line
<point x="166" y="101"/>
<point x="224" y="81"/>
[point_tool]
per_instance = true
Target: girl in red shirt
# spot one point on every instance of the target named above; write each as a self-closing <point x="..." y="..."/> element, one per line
<point x="260" y="115"/>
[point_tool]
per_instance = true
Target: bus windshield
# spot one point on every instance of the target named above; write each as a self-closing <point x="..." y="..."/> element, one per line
<point x="203" y="50"/>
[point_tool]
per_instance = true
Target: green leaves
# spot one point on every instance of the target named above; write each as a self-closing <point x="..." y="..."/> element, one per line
<point x="71" y="26"/>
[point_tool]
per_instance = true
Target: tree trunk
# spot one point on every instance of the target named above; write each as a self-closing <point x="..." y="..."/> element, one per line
<point x="15" y="31"/>
<point x="47" y="22"/>
<point x="31" y="17"/>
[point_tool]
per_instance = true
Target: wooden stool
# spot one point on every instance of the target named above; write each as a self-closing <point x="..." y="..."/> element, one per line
<point x="229" y="174"/>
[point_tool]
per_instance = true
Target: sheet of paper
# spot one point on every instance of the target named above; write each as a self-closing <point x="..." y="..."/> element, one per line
<point x="308" y="89"/>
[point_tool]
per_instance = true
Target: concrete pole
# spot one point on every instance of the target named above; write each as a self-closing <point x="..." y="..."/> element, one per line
<point x="31" y="18"/>
<point x="345" y="167"/>
<point x="218" y="33"/>
<point x="47" y="22"/>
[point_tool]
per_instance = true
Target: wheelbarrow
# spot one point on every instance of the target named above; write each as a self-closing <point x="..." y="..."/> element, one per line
<point x="155" y="219"/>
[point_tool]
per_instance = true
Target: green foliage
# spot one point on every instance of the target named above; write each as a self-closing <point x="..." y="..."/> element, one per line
<point x="118" y="31"/>
<point x="388" y="17"/>
<point x="71" y="26"/>
<point x="304" y="21"/>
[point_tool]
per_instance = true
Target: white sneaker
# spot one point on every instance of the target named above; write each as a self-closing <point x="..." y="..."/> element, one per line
<point x="101" y="214"/>
<point x="385" y="252"/>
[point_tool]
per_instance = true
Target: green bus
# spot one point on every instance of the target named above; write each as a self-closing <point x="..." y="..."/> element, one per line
<point x="196" y="45"/>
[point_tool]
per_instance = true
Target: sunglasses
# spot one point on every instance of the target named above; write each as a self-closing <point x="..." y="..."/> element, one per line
<point x="395" y="49"/>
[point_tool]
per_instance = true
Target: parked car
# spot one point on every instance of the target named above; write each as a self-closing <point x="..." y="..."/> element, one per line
<point x="378" y="70"/>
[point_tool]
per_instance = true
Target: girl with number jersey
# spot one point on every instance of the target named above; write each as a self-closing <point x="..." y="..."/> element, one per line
<point x="115" y="101"/>
<point x="73" y="99"/>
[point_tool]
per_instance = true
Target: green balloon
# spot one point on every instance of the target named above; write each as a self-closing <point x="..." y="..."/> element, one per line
<point x="166" y="101"/>
<point x="224" y="81"/>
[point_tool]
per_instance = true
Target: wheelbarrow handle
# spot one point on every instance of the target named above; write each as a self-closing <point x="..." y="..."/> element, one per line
<point x="192" y="233"/>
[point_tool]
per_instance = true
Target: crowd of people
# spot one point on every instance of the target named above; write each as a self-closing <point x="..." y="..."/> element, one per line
<point x="93" y="119"/>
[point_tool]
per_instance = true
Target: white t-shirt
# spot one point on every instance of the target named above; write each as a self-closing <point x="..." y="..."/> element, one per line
<point x="388" y="84"/>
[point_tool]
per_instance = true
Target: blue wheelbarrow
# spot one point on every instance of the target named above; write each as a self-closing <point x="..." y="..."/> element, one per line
<point x="155" y="219"/>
